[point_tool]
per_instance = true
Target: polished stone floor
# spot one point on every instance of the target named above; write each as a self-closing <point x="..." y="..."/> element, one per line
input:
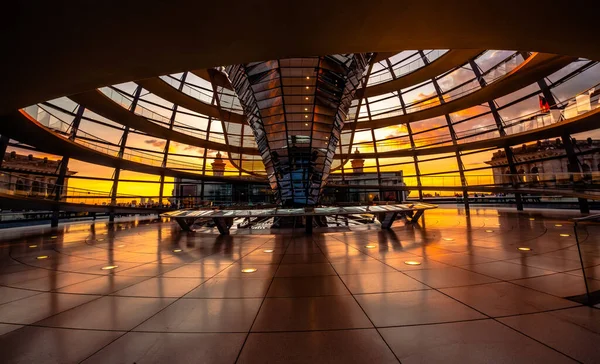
<point x="333" y="297"/>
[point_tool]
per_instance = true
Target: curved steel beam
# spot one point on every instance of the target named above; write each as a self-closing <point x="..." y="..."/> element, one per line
<point x="102" y="105"/>
<point x="534" y="68"/>
<point x="450" y="60"/>
<point x="162" y="89"/>
<point x="214" y="76"/>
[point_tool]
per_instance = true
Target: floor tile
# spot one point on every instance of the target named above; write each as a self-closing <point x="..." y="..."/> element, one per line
<point x="8" y="294"/>
<point x="305" y="270"/>
<point x="307" y="286"/>
<point x="35" y="308"/>
<point x="51" y="345"/>
<point x="196" y="271"/>
<point x="54" y="282"/>
<point x="346" y="346"/>
<point x="558" y="332"/>
<point x="173" y="348"/>
<point x="361" y="267"/>
<point x="149" y="270"/>
<point x="507" y="271"/>
<point x="310" y="313"/>
<point x="559" y="284"/>
<point x="503" y="299"/>
<point x="162" y="287"/>
<point x="102" y="285"/>
<point x="413" y="308"/>
<point x="304" y="258"/>
<point x="236" y="271"/>
<point x="205" y="315"/>
<point x="6" y="328"/>
<point x="109" y="313"/>
<point x="231" y="288"/>
<point x="483" y="341"/>
<point x="449" y="277"/>
<point x="381" y="282"/>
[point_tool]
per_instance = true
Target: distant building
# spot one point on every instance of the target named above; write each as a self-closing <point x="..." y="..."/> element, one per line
<point x="546" y="161"/>
<point x="218" y="166"/>
<point x="361" y="178"/>
<point x="24" y="179"/>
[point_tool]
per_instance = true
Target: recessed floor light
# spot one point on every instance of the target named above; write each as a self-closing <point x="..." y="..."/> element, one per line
<point x="177" y="250"/>
<point x="412" y="262"/>
<point x="249" y="270"/>
<point x="558" y="225"/>
<point x="370" y="246"/>
<point x="33" y="246"/>
<point x="268" y="251"/>
<point x="525" y="249"/>
<point x="109" y="267"/>
<point x="42" y="257"/>
<point x="448" y="239"/>
<point x="565" y="235"/>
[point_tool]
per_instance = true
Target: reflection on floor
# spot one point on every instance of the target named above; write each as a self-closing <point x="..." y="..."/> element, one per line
<point x="453" y="289"/>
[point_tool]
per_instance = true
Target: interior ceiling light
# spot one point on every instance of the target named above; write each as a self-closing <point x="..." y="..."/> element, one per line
<point x="177" y="250"/>
<point x="558" y="225"/>
<point x="33" y="246"/>
<point x="306" y="98"/>
<point x="53" y="237"/>
<point x="412" y="262"/>
<point x="370" y="246"/>
<point x="109" y="267"/>
<point x="121" y="246"/>
<point x="525" y="249"/>
<point x="307" y="77"/>
<point x="448" y="239"/>
<point x="268" y="251"/>
<point x="42" y="257"/>
<point x="565" y="235"/>
<point x="249" y="270"/>
<point x="532" y="218"/>
<point x="489" y="231"/>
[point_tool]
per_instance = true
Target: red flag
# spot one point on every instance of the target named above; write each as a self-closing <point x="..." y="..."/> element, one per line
<point x="544" y="105"/>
